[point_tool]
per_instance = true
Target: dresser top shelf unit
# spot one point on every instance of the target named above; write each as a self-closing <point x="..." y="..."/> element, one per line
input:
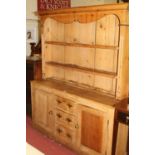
<point x="87" y="45"/>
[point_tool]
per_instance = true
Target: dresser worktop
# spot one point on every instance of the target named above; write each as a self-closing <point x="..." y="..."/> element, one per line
<point x="77" y="92"/>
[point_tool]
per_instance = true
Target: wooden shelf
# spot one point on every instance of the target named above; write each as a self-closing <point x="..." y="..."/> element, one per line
<point x="81" y="45"/>
<point x="83" y="69"/>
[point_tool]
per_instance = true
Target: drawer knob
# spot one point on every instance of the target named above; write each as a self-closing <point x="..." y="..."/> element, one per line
<point x="76" y="126"/>
<point x="68" y="120"/>
<point x="69" y="105"/>
<point x="58" y="115"/>
<point x="59" y="130"/>
<point x="58" y="101"/>
<point x="68" y="135"/>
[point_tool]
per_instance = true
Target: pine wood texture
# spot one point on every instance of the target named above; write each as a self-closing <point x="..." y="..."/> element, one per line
<point x="85" y="70"/>
<point x="122" y="139"/>
<point x="88" y="46"/>
<point x="92" y="131"/>
<point x="43" y="110"/>
<point x="80" y="45"/>
<point x="78" y="116"/>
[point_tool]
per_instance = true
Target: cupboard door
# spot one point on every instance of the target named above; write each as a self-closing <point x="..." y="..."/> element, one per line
<point x="40" y="108"/>
<point x="92" y="131"/>
<point x="43" y="110"/>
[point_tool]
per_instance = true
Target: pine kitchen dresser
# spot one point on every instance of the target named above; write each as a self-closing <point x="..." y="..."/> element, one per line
<point x="85" y="73"/>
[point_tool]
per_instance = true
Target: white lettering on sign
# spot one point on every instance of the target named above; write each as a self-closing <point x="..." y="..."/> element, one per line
<point x="53" y="4"/>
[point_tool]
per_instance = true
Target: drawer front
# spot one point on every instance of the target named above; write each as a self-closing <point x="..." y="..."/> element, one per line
<point x="65" y="104"/>
<point x="65" y="119"/>
<point x="64" y="135"/>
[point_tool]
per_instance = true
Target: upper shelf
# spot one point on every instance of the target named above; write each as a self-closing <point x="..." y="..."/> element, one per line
<point x="81" y="45"/>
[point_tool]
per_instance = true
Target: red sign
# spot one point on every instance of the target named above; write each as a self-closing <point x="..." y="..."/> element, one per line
<point x="53" y="4"/>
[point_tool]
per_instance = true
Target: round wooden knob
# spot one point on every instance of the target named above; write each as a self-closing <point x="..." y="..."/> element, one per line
<point x="69" y="105"/>
<point x="58" y="115"/>
<point x="68" y="135"/>
<point x="59" y="130"/>
<point x="68" y="120"/>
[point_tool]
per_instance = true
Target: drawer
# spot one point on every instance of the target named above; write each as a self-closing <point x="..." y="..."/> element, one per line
<point x="65" y="104"/>
<point x="65" y="119"/>
<point x="64" y="135"/>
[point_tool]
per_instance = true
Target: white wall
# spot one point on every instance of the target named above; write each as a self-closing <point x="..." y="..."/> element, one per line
<point x="75" y="3"/>
<point x="31" y="21"/>
<point x="31" y="6"/>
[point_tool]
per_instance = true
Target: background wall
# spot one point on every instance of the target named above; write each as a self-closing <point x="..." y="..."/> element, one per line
<point x="31" y="21"/>
<point x="75" y="3"/>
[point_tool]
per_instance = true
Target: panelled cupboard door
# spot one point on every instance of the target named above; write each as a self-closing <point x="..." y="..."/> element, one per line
<point x="44" y="110"/>
<point x="92" y="132"/>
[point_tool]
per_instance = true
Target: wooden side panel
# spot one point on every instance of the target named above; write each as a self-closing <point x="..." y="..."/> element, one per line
<point x="79" y="56"/>
<point x="47" y="53"/>
<point x="106" y="59"/>
<point x="43" y="50"/>
<point x="107" y="30"/>
<point x="47" y="29"/>
<point x="122" y="139"/>
<point x="123" y="65"/>
<point x="91" y="131"/>
<point x="80" y="33"/>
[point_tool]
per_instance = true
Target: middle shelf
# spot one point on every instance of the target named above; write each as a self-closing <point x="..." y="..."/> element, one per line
<point x="83" y="69"/>
<point x="81" y="45"/>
